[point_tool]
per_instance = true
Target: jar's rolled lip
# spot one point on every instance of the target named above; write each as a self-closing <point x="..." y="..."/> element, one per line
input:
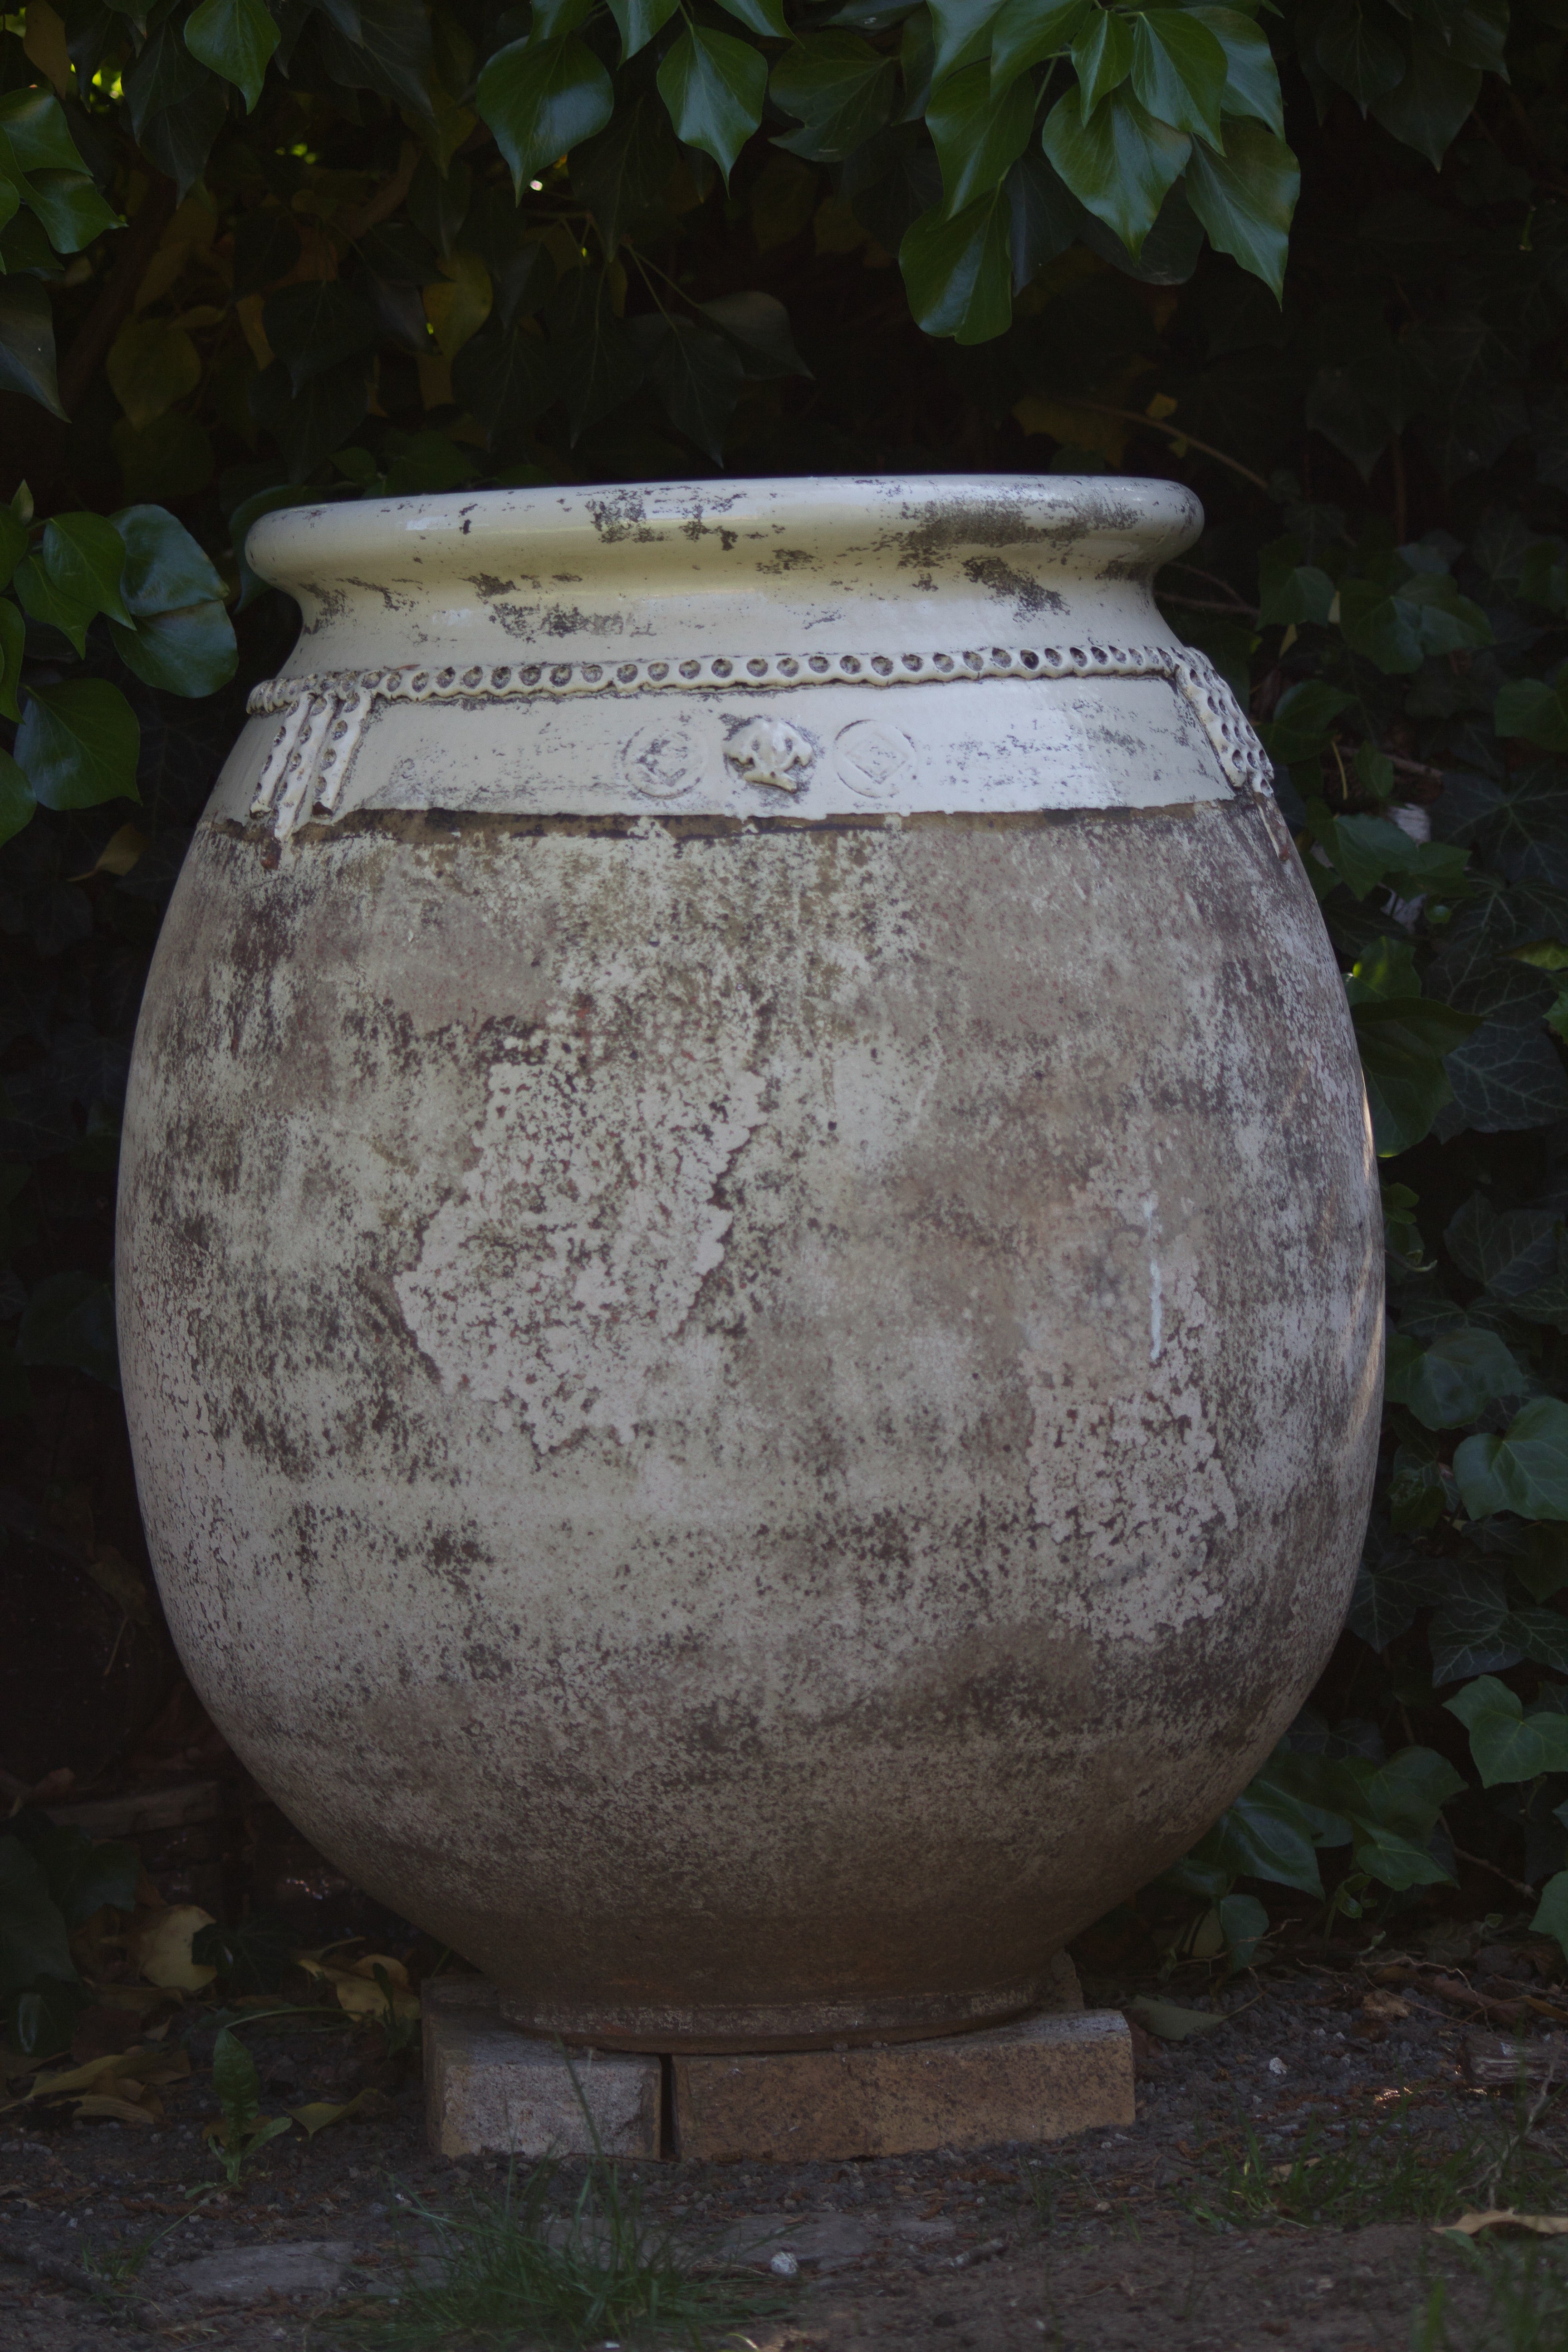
<point x="1089" y="522"/>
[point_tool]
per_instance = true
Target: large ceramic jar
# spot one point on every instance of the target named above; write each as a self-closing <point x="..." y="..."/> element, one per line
<point x="748" y="1258"/>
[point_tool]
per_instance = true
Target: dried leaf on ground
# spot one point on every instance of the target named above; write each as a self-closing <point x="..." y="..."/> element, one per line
<point x="1470" y="2225"/>
<point x="317" y="2113"/>
<point x="356" y="1986"/>
<point x="1386" y="2005"/>
<point x="160" y="1945"/>
<point x="1171" y="2023"/>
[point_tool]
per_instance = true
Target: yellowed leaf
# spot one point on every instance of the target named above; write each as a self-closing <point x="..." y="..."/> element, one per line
<point x="187" y="238"/>
<point x="327" y="193"/>
<point x="43" y="43"/>
<point x="1542" y="2225"/>
<point x="1386" y="2005"/>
<point x="119" y="2111"/>
<point x="356" y="1988"/>
<point x="74" y="2078"/>
<point x="151" y="365"/>
<point x="459" y="302"/>
<point x="835" y="229"/>
<point x="782" y="200"/>
<point x="162" y="1947"/>
<point x="110" y="1570"/>
<point x="1081" y="428"/>
<point x="317" y="2113"/>
<point x="155" y="2065"/>
<point x="435" y="380"/>
<point x="248" y="310"/>
<point x="1160" y="407"/>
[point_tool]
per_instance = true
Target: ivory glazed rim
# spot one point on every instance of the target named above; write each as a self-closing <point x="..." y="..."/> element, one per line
<point x="1091" y="526"/>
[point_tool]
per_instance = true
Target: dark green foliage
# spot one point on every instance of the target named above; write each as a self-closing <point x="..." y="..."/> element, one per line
<point x="377" y="248"/>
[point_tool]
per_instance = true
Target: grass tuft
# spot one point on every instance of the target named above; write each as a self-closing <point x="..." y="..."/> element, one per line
<point x="1385" y="2170"/>
<point x="525" y="2265"/>
<point x="1527" y="2306"/>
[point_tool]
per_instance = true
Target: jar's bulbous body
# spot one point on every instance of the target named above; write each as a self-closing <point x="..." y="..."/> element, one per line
<point x="749" y="1302"/>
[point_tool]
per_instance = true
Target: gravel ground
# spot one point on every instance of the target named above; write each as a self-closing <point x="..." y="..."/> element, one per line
<point x="1182" y="2229"/>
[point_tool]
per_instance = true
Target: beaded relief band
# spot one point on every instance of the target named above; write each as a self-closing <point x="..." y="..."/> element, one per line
<point x="324" y="713"/>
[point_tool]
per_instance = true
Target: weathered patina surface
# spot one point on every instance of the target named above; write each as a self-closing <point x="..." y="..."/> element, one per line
<point x="752" y="1420"/>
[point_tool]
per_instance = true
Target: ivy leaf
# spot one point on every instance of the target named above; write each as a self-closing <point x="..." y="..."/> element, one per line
<point x="1265" y="1835"/>
<point x="166" y="568"/>
<point x="176" y="107"/>
<point x="540" y="98"/>
<point x="1251" y="76"/>
<point x="1102" y="57"/>
<point x="40" y="135"/>
<point x="70" y="207"/>
<point x="16" y="801"/>
<point x="1506" y="1743"/>
<point x="958" y="269"/>
<point x="389" y="53"/>
<point x="639" y="20"/>
<point x="77" y="744"/>
<point x="842" y="89"/>
<point x="32" y="1932"/>
<point x="1246" y="197"/>
<point x="1179" y="72"/>
<point x="1303" y="721"/>
<point x="506" y="378"/>
<point x="319" y="417"/>
<point x="151" y="363"/>
<point x="312" y="328"/>
<point x="1046" y="219"/>
<point x="763" y="17"/>
<point x="714" y="86"/>
<point x="978" y="136"/>
<point x="1432" y="103"/>
<point x="597" y="359"/>
<point x="27" y="343"/>
<point x="961" y="28"/>
<point x="13" y="646"/>
<point x="1402" y="1041"/>
<point x="1121" y="162"/>
<point x="74" y="575"/>
<point x="1290" y="591"/>
<point x="620" y="173"/>
<point x="1024" y="34"/>
<point x="1358" y="49"/>
<point x="1529" y="707"/>
<point x="1452" y="1379"/>
<point x="1525" y="1470"/>
<point x="759" y="325"/>
<point x="190" y="652"/>
<point x="1552" y="1912"/>
<point x="234" y="38"/>
<point x="697" y="376"/>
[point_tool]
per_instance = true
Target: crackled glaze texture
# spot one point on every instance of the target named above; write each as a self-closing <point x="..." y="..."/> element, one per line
<point x="750" y="1299"/>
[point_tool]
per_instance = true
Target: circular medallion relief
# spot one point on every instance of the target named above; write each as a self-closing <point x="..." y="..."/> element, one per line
<point x="662" y="759"/>
<point x="874" y="758"/>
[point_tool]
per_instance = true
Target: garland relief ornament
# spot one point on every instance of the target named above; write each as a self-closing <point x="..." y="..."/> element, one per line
<point x="749" y="1263"/>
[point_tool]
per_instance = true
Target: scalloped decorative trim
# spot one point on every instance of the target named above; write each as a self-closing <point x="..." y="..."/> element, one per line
<point x="324" y="713"/>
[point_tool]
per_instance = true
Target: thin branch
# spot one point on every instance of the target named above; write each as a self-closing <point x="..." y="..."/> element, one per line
<point x="1480" y="1862"/>
<point x="1174" y="433"/>
<point x="117" y="295"/>
<point x="1205" y="603"/>
<point x="385" y="201"/>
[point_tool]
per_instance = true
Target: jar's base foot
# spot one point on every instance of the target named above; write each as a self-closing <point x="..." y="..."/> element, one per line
<point x="806" y="2025"/>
